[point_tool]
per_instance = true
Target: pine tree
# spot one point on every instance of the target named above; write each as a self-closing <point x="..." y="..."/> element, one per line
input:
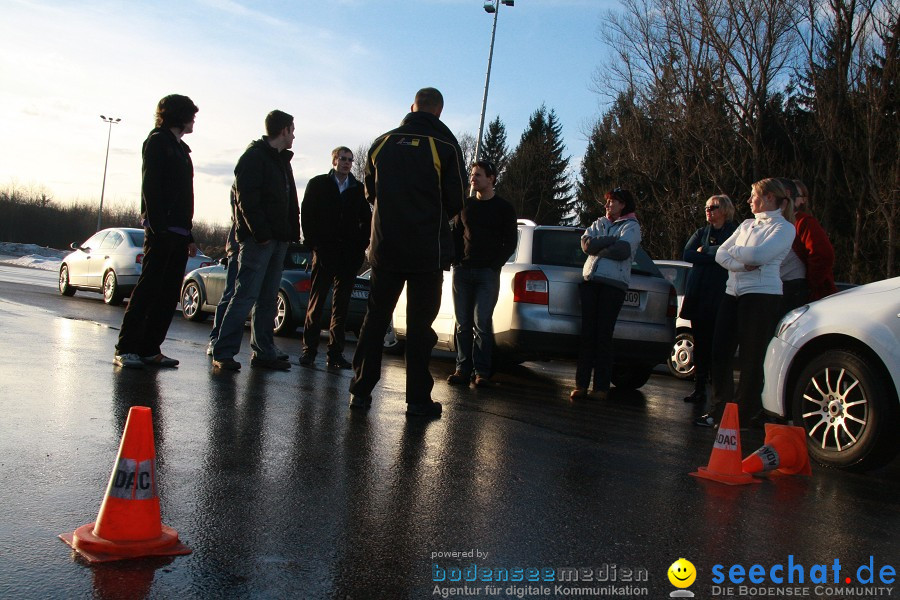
<point x="536" y="180"/>
<point x="494" y="148"/>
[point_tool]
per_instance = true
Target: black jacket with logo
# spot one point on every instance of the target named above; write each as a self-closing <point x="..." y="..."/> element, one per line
<point x="265" y="195"/>
<point x="336" y="225"/>
<point x="415" y="180"/>
<point x="167" y="183"/>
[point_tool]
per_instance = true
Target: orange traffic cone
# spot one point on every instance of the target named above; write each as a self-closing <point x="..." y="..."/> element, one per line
<point x="725" y="460"/>
<point x="129" y="523"/>
<point x="783" y="452"/>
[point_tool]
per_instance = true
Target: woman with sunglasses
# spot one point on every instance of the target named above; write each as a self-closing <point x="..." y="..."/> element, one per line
<point x="750" y="309"/>
<point x="610" y="243"/>
<point x="705" y="286"/>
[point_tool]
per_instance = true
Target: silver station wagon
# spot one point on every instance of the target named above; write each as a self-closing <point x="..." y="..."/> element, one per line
<point x="538" y="314"/>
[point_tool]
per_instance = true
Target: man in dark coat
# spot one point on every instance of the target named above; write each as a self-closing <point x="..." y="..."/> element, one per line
<point x="167" y="213"/>
<point x="336" y="222"/>
<point x="415" y="181"/>
<point x="266" y="219"/>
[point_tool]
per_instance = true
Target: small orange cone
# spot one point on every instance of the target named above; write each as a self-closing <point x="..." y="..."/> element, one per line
<point x="725" y="460"/>
<point x="783" y="452"/>
<point x="129" y="523"/>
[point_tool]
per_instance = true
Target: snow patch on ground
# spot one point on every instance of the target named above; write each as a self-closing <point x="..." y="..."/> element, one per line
<point x="31" y="255"/>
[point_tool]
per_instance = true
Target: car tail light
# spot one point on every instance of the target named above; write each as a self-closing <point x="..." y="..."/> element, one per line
<point x="139" y="259"/>
<point x="304" y="285"/>
<point x="531" y="287"/>
<point x="672" y="310"/>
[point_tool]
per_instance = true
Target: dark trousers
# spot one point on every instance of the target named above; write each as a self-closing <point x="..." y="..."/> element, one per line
<point x="795" y="294"/>
<point x="475" y="293"/>
<point x="600" y="306"/>
<point x="703" y="330"/>
<point x="423" y="300"/>
<point x="746" y="322"/>
<point x="152" y="303"/>
<point x="324" y="276"/>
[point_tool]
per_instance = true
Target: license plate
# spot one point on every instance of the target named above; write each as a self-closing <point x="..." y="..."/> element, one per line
<point x="360" y="294"/>
<point x="632" y="298"/>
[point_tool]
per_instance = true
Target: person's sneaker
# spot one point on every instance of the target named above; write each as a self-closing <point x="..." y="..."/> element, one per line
<point x="209" y="347"/>
<point x="360" y="402"/>
<point x="275" y="364"/>
<point x="459" y="378"/>
<point x="338" y="362"/>
<point x="705" y="421"/>
<point x="578" y="393"/>
<point x="227" y="364"/>
<point x="482" y="382"/>
<point x="307" y="359"/>
<point x="129" y="360"/>
<point x="599" y="394"/>
<point x="431" y="410"/>
<point x="281" y="354"/>
<point x="160" y="360"/>
<point x="696" y="398"/>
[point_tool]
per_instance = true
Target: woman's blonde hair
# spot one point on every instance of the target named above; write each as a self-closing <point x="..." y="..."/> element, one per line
<point x="783" y="199"/>
<point x="726" y="204"/>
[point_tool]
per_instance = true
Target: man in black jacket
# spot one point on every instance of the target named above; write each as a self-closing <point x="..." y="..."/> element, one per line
<point x="415" y="181"/>
<point x="336" y="222"/>
<point x="167" y="212"/>
<point x="266" y="219"/>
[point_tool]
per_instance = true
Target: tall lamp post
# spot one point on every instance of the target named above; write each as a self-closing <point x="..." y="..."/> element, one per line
<point x="490" y="6"/>
<point x="112" y="121"/>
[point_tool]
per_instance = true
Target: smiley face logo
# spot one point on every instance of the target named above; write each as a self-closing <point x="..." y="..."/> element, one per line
<point x="682" y="573"/>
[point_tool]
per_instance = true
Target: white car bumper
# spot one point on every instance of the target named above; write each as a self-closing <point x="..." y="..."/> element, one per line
<point x="779" y="357"/>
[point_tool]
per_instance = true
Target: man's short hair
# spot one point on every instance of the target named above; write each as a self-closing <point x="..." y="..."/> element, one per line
<point x="175" y="110"/>
<point x="429" y="99"/>
<point x="276" y="121"/>
<point x="336" y="152"/>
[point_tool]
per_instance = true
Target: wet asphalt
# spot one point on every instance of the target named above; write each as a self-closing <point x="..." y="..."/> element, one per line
<point x="282" y="491"/>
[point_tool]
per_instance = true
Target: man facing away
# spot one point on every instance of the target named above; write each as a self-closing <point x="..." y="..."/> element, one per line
<point x="415" y="181"/>
<point x="167" y="212"/>
<point x="336" y="222"/>
<point x="486" y="235"/>
<point x="266" y="219"/>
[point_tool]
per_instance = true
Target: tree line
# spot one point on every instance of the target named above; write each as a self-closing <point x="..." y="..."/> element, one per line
<point x="708" y="96"/>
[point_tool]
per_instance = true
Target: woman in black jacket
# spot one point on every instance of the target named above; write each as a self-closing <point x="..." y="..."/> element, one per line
<point x="705" y="286"/>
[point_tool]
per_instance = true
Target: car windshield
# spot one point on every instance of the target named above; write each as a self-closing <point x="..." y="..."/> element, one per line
<point x="562" y="248"/>
<point x="136" y="237"/>
<point x="676" y="275"/>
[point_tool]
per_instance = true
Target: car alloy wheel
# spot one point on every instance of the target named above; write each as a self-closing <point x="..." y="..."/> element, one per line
<point x="191" y="302"/>
<point x="849" y="415"/>
<point x="282" y="315"/>
<point x="65" y="288"/>
<point x="681" y="361"/>
<point x="111" y="293"/>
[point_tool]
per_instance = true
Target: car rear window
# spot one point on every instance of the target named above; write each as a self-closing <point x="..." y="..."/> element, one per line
<point x="137" y="238"/>
<point x="562" y="248"/>
<point x="298" y="259"/>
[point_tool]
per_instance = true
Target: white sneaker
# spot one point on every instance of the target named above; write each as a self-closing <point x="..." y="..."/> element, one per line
<point x="209" y="347"/>
<point x="132" y="361"/>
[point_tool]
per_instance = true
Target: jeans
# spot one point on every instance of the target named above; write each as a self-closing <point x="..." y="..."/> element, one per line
<point x="475" y="293"/>
<point x="423" y="292"/>
<point x="600" y="306"/>
<point x="747" y="322"/>
<point x="255" y="289"/>
<point x="231" y="270"/>
<point x="152" y="304"/>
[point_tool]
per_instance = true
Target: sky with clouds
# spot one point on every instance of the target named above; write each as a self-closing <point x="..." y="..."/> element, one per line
<point x="346" y="69"/>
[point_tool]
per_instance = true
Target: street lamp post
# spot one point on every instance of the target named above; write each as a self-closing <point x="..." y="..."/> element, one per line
<point x="112" y="121"/>
<point x="490" y="6"/>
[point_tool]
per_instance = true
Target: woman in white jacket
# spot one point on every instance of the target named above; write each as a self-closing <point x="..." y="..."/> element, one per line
<point x="610" y="243"/>
<point x="750" y="311"/>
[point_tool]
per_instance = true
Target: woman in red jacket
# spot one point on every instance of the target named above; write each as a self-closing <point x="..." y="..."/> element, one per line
<point x="813" y="247"/>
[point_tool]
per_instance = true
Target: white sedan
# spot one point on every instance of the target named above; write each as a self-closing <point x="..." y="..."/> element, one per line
<point x="834" y="369"/>
<point x="110" y="262"/>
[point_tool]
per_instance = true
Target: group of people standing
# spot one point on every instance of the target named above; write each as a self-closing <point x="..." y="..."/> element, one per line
<point x="743" y="280"/>
<point x="410" y="214"/>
